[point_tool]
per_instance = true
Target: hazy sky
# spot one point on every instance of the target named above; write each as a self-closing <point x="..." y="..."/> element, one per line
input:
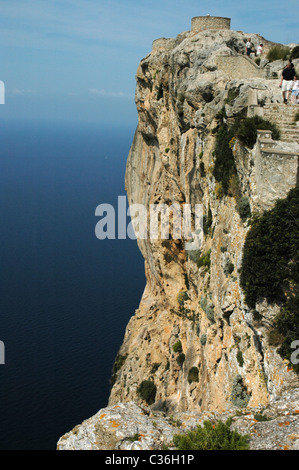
<point x="77" y="59"/>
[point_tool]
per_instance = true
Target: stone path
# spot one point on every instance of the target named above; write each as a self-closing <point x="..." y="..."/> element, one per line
<point x="283" y="116"/>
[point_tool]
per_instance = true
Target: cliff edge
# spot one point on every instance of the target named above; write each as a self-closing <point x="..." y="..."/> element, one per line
<point x="194" y="347"/>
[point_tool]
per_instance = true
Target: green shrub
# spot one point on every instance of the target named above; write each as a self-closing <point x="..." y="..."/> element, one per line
<point x="296" y="117"/>
<point x="233" y="93"/>
<point x="207" y="222"/>
<point x="225" y="165"/>
<point x="133" y="438"/>
<point x="287" y="325"/>
<point x="240" y="358"/>
<point x="168" y="257"/>
<point x="243" y="208"/>
<point x="228" y="267"/>
<point x="248" y="127"/>
<point x="205" y="260"/>
<point x="186" y="313"/>
<point x="193" y="375"/>
<point x="257" y="316"/>
<point x="202" y="169"/>
<point x="155" y="367"/>
<point x="239" y="396"/>
<point x="212" y="437"/>
<point x="160" y="92"/>
<point x="147" y="391"/>
<point x="177" y="347"/>
<point x="269" y="267"/>
<point x="181" y="359"/>
<point x="203" y="302"/>
<point x="278" y="52"/>
<point x="295" y="53"/>
<point x="261" y="418"/>
<point x="118" y="363"/>
<point x="182" y="297"/>
<point x="210" y="312"/>
<point x="203" y="339"/>
<point x="245" y="129"/>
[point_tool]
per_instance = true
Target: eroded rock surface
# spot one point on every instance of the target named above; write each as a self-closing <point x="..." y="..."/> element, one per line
<point x="224" y="363"/>
<point x="125" y="426"/>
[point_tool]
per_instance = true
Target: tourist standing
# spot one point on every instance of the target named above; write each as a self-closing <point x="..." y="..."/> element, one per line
<point x="259" y="50"/>
<point x="286" y="82"/>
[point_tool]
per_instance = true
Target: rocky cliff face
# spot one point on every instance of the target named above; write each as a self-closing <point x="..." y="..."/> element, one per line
<point x="179" y="95"/>
<point x="193" y="336"/>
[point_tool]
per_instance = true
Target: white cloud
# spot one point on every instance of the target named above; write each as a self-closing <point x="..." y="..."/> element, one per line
<point x="21" y="92"/>
<point x="109" y="94"/>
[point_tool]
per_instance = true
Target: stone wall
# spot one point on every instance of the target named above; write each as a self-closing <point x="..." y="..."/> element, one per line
<point x="276" y="170"/>
<point x="200" y="23"/>
<point x="239" y="66"/>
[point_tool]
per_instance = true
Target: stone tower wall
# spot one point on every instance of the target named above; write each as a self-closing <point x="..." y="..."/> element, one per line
<point x="200" y="23"/>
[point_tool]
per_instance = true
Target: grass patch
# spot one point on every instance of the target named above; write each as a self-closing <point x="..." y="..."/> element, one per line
<point x="278" y="52"/>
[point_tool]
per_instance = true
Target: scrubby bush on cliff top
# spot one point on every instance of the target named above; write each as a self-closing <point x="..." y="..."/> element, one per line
<point x="245" y="130"/>
<point x="295" y="53"/>
<point x="270" y="267"/>
<point x="278" y="52"/>
<point x="212" y="437"/>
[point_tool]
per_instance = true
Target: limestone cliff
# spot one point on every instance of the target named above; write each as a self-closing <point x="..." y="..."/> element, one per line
<point x="193" y="336"/>
<point x="180" y="93"/>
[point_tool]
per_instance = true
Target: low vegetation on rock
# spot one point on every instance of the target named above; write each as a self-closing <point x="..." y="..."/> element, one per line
<point x="270" y="268"/>
<point x="278" y="52"/>
<point x="147" y="391"/>
<point x="211" y="436"/>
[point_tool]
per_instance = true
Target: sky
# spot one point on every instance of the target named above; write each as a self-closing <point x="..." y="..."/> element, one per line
<point x="76" y="60"/>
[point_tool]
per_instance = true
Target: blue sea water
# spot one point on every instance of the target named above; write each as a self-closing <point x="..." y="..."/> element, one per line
<point x="65" y="296"/>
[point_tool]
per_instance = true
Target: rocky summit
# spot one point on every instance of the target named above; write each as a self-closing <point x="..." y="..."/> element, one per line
<point x="196" y="348"/>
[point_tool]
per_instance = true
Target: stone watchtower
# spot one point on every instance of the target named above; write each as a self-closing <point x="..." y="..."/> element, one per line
<point x="200" y="23"/>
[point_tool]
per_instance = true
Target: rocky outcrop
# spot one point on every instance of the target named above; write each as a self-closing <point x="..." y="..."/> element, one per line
<point x="125" y="426"/>
<point x="179" y="95"/>
<point x="193" y="337"/>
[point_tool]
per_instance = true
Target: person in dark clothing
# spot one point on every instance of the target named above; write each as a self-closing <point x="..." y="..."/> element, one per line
<point x="286" y="82"/>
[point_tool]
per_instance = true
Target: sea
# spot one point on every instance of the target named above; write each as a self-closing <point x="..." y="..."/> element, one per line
<point x="65" y="296"/>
